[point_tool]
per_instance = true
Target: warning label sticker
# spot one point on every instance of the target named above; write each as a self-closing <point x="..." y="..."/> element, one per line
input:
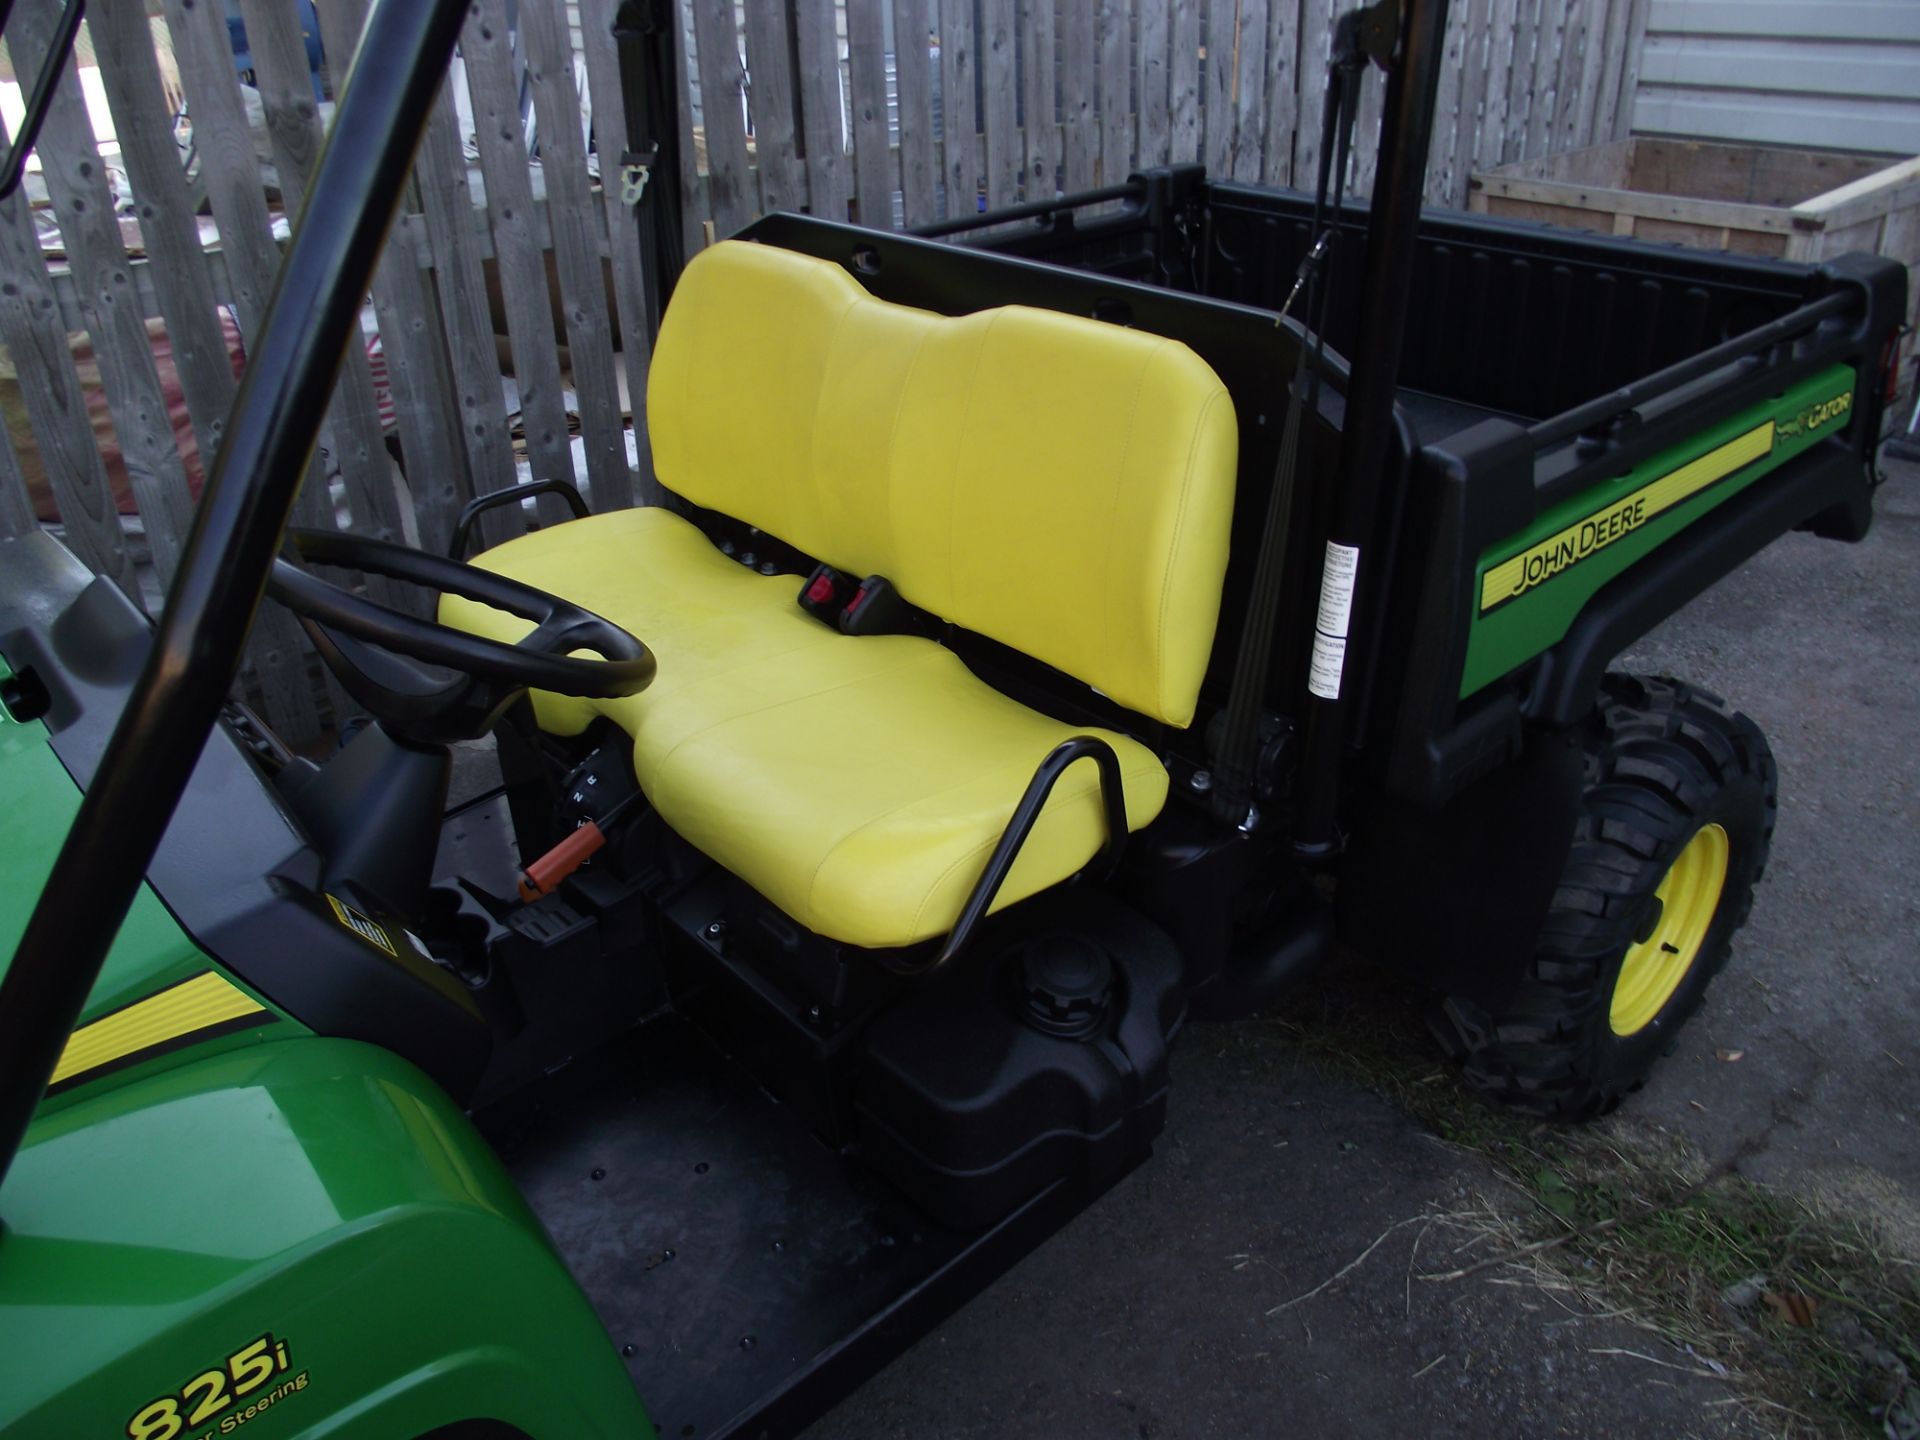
<point x="360" y="925"/>
<point x="1330" y="625"/>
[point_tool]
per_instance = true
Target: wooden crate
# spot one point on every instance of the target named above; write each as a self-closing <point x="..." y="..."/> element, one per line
<point x="1747" y="199"/>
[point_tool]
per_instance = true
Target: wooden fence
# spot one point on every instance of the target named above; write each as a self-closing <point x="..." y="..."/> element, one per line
<point x="505" y="327"/>
<point x="831" y="106"/>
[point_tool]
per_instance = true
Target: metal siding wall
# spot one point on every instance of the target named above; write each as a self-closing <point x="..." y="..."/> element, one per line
<point x="1841" y="74"/>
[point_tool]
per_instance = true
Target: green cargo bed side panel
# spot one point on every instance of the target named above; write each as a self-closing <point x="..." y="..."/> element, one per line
<point x="301" y="1238"/>
<point x="1529" y="589"/>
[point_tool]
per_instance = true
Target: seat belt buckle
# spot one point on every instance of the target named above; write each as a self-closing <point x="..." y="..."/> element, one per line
<point x="853" y="607"/>
<point x="826" y="593"/>
<point x="636" y="169"/>
<point x="875" y="608"/>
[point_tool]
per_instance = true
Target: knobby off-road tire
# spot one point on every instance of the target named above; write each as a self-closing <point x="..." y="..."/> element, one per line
<point x="1677" y="785"/>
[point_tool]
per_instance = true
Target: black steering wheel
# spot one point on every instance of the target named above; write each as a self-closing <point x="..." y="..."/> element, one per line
<point x="429" y="681"/>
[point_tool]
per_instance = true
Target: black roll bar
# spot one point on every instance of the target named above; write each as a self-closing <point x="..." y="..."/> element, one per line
<point x="1132" y="190"/>
<point x="40" y="99"/>
<point x="236" y="532"/>
<point x="1365" y="492"/>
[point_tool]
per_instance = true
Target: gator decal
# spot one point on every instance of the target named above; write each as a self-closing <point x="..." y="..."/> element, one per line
<point x="197" y="1009"/>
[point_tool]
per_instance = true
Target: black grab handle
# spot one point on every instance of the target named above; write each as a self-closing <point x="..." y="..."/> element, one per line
<point x="1113" y="799"/>
<point x="480" y="504"/>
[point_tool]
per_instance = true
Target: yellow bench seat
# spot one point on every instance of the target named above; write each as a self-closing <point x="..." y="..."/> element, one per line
<point x="858" y="784"/>
<point x="1058" y="484"/>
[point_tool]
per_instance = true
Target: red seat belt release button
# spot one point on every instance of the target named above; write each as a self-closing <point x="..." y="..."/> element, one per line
<point x="825" y="592"/>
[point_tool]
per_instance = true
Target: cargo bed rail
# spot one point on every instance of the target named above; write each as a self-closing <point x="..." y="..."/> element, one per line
<point x="1604" y="409"/>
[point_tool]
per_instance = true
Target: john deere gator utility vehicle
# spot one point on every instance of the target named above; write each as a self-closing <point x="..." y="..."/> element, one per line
<point x="1100" y="613"/>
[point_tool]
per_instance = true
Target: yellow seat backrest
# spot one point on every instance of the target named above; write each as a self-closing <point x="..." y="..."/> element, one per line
<point x="1060" y="484"/>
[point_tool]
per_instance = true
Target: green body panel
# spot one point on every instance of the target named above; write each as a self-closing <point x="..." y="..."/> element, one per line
<point x="1511" y="635"/>
<point x="323" y="1193"/>
<point x="162" y="1218"/>
<point x="38" y="801"/>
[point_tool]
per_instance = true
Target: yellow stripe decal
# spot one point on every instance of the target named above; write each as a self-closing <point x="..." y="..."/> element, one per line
<point x="1537" y="564"/>
<point x="197" y="1004"/>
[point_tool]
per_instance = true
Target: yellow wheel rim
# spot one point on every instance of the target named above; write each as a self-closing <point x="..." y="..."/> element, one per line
<point x="1689" y="896"/>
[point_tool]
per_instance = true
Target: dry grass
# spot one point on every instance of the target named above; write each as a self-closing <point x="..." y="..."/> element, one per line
<point x="1813" y="1322"/>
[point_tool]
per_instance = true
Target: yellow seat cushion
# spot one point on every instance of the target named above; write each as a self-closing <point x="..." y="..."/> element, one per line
<point x="1062" y="485"/>
<point x="858" y="784"/>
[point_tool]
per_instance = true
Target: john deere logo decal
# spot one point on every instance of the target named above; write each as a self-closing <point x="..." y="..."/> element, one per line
<point x="1515" y="576"/>
<point x="1539" y="563"/>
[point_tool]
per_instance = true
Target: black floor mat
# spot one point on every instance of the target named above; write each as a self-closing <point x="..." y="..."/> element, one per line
<point x="724" y="1248"/>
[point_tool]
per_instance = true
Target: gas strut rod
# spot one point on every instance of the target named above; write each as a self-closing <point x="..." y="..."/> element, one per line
<point x="1386" y="281"/>
<point x="1358" y="35"/>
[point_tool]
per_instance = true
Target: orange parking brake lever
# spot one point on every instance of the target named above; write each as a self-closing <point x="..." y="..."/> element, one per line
<point x="544" y="875"/>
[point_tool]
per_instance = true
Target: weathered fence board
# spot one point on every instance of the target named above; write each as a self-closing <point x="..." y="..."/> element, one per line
<point x="293" y="125"/>
<point x="693" y="193"/>
<point x="631" y="283"/>
<point x="1472" y="95"/>
<point x="1115" y="90"/>
<point x="723" y="88"/>
<point x="1080" y="150"/>
<point x="1042" y="97"/>
<point x="583" y="294"/>
<point x="230" y="173"/>
<point x="1251" y="68"/>
<point x="886" y="111"/>
<point x="783" y="184"/>
<point x="16" y="506"/>
<point x="142" y="118"/>
<point x="56" y="407"/>
<point x="83" y="205"/>
<point x="1283" y="99"/>
<point x="1316" y="44"/>
<point x="1502" y="58"/>
<point x="473" y="361"/>
<point x="1000" y="108"/>
<point x="486" y="45"/>
<point x="1153" y="98"/>
<point x="958" y="177"/>
<point x="873" y="165"/>
<point x="410" y="347"/>
<point x="1448" y="119"/>
<point x="913" y="22"/>
<point x="829" y="180"/>
<point x="1217" y="69"/>
<point x="1183" y="70"/>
